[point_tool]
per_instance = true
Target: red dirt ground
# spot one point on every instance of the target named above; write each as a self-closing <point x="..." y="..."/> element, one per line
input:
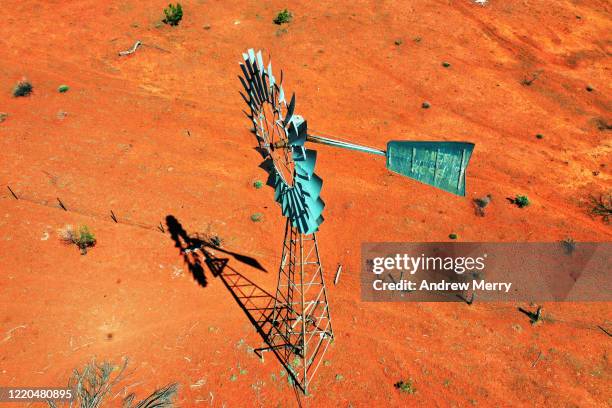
<point x="123" y="146"/>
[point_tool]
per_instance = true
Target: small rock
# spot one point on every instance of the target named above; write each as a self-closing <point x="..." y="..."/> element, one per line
<point x="589" y="88"/>
<point x="398" y="41"/>
<point x="61" y="114"/>
<point x="539" y="136"/>
<point x="206" y="26"/>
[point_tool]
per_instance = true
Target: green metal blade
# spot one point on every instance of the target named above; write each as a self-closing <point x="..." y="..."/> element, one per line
<point x="439" y="164"/>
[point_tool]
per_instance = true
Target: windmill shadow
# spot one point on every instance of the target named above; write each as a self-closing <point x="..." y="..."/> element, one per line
<point x="189" y="245"/>
<point x="185" y="244"/>
<point x="255" y="302"/>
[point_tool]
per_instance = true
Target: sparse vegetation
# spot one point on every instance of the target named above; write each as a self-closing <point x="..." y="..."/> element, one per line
<point x="568" y="245"/>
<point x="3" y="116"/>
<point x="93" y="387"/>
<point x="83" y="238"/>
<point x="174" y="14"/>
<point x="258" y="184"/>
<point x="425" y="105"/>
<point x="446" y="64"/>
<point x="452" y="236"/>
<point x="283" y="17"/>
<point x="534" y="317"/>
<point x="63" y="88"/>
<point x="405" y="386"/>
<point x="529" y="81"/>
<point x="602" y="207"/>
<point x="539" y="136"/>
<point x="23" y="88"/>
<point x="256" y="217"/>
<point x="216" y="241"/>
<point x="398" y="41"/>
<point x="601" y="124"/>
<point x="521" y="201"/>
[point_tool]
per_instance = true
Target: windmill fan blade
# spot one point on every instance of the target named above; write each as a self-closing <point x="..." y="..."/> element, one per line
<point x="290" y="109"/>
<point x="304" y="165"/>
<point x="439" y="164"/>
<point x="296" y="131"/>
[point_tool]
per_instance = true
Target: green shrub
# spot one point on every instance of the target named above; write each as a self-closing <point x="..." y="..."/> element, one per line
<point x="174" y="14"/>
<point x="452" y="236"/>
<point x="83" y="238"/>
<point x="405" y="386"/>
<point x="23" y="88"/>
<point x="283" y="17"/>
<point x="521" y="201"/>
<point x="256" y="217"/>
<point x="258" y="184"/>
<point x="63" y="88"/>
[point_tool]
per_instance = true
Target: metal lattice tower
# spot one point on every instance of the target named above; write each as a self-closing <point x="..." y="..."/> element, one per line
<point x="301" y="322"/>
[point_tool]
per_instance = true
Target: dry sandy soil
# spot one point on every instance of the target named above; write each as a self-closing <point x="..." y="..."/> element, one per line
<point x="161" y="133"/>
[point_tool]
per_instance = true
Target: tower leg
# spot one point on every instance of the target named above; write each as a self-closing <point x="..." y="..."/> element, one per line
<point x="301" y="328"/>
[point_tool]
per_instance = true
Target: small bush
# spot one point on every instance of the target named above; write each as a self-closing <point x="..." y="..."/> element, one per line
<point x="283" y="17"/>
<point x="63" y="88"/>
<point x="216" y="241"/>
<point x="452" y="236"/>
<point x="93" y="388"/>
<point x="521" y="201"/>
<point x="256" y="217"/>
<point x="82" y="238"/>
<point x="405" y="386"/>
<point x="174" y="14"/>
<point x="23" y="88"/>
<point x="602" y="207"/>
<point x="539" y="136"/>
<point x="258" y="184"/>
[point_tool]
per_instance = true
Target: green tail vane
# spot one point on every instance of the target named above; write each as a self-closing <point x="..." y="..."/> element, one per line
<point x="439" y="164"/>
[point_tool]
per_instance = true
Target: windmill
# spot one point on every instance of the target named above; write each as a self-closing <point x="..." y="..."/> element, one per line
<point x="301" y="329"/>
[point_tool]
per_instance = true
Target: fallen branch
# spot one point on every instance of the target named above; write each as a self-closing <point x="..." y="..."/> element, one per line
<point x="131" y="50"/>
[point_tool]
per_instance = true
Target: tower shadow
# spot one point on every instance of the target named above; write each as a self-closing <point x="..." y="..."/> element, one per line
<point x="256" y="303"/>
